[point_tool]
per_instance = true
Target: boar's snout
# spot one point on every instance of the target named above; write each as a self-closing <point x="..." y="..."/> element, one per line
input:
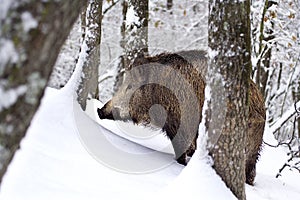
<point x="108" y="112"/>
<point x="102" y="114"/>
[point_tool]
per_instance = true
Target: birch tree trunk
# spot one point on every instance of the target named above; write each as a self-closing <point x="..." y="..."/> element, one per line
<point x="89" y="57"/>
<point x="229" y="69"/>
<point x="32" y="33"/>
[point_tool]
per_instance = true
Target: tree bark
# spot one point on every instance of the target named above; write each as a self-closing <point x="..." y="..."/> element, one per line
<point x="229" y="70"/>
<point x="90" y="52"/>
<point x="264" y="52"/>
<point x="134" y="31"/>
<point x="32" y="33"/>
<point x="296" y="98"/>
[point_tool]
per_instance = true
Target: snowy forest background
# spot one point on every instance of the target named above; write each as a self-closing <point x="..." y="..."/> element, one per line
<point x="182" y="25"/>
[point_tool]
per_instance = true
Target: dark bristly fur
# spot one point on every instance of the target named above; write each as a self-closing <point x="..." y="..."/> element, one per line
<point x="192" y="66"/>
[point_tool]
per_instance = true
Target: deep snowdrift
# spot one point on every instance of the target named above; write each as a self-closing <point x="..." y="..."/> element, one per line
<point x="54" y="164"/>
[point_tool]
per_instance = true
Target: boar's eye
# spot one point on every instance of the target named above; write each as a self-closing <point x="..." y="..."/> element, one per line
<point x="129" y="87"/>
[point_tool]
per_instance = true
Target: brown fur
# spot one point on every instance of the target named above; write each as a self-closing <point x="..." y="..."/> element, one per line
<point x="180" y="125"/>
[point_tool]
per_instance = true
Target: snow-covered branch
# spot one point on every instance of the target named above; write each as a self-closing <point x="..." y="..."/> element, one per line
<point x="110" y="7"/>
<point x="294" y="109"/>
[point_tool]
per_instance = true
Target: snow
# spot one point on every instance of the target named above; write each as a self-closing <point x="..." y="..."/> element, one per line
<point x="5" y="5"/>
<point x="153" y="139"/>
<point x="212" y="53"/>
<point x="198" y="179"/>
<point x="287" y="115"/>
<point x="65" y="63"/>
<point x="131" y="17"/>
<point x="75" y="78"/>
<point x="9" y="97"/>
<point x="54" y="162"/>
<point x="7" y="53"/>
<point x="63" y="154"/>
<point x="28" y="21"/>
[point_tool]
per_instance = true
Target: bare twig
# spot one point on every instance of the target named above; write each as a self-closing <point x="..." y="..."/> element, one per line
<point x="103" y="78"/>
<point x="289" y="83"/>
<point x="110" y="7"/>
<point x="287" y="115"/>
<point x="293" y="154"/>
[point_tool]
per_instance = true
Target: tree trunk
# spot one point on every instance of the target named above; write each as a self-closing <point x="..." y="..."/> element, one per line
<point x="296" y="98"/>
<point x="264" y="52"/>
<point x="33" y="35"/>
<point x="134" y="31"/>
<point x="89" y="56"/>
<point x="229" y="71"/>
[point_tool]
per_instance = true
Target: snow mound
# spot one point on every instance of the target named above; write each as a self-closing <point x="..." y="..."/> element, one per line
<point x="153" y="139"/>
<point x="53" y="163"/>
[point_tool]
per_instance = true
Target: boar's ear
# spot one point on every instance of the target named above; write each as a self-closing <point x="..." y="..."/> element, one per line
<point x="140" y="60"/>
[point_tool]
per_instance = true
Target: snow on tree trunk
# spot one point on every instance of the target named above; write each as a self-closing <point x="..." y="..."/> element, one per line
<point x="89" y="58"/>
<point x="229" y="70"/>
<point x="296" y="97"/>
<point x="264" y="50"/>
<point x="66" y="60"/>
<point x="134" y="31"/>
<point x="32" y="33"/>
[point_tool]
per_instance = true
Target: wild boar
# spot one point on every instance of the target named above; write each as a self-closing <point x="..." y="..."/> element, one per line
<point x="176" y="82"/>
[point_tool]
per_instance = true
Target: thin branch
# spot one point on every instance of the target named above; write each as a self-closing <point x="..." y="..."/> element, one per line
<point x="105" y="78"/>
<point x="281" y="169"/>
<point x="292" y="153"/>
<point x="261" y="37"/>
<point x="110" y="7"/>
<point x="287" y="164"/>
<point x="195" y="41"/>
<point x="287" y="115"/>
<point x="289" y="84"/>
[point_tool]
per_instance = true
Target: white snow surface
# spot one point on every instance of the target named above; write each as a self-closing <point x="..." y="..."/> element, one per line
<point x="131" y="16"/>
<point x="54" y="164"/>
<point x="153" y="139"/>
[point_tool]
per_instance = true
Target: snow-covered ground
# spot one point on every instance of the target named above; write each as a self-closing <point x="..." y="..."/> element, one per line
<point x="53" y="163"/>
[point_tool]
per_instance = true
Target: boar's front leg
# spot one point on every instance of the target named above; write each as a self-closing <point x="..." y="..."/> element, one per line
<point x="180" y="153"/>
<point x="178" y="142"/>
